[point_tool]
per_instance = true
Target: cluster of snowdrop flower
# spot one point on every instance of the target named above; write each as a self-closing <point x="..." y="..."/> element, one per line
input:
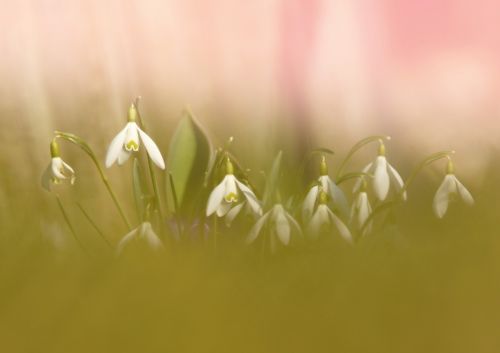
<point x="324" y="208"/>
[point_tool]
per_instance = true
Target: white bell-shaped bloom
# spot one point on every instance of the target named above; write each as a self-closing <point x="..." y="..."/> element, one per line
<point x="450" y="187"/>
<point x="336" y="195"/>
<point x="384" y="175"/>
<point x="128" y="140"/>
<point x="226" y="198"/>
<point x="323" y="218"/>
<point x="325" y="183"/>
<point x="227" y="195"/>
<point x="57" y="171"/>
<point x="360" y="211"/>
<point x="280" y="224"/>
<point x="143" y="234"/>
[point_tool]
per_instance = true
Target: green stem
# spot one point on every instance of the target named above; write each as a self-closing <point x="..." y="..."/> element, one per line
<point x="429" y="160"/>
<point x="86" y="148"/>
<point x="355" y="148"/>
<point x="349" y="176"/>
<point x="93" y="224"/>
<point x="152" y="172"/>
<point x="70" y="226"/>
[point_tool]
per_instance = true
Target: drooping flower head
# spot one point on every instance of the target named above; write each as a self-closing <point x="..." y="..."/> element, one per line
<point x="450" y="189"/>
<point x="128" y="141"/>
<point x="57" y="171"/>
<point x="361" y="209"/>
<point x="230" y="195"/>
<point x="280" y="224"/>
<point x="384" y="175"/>
<point x="323" y="219"/>
<point x="334" y="193"/>
<point x="144" y="235"/>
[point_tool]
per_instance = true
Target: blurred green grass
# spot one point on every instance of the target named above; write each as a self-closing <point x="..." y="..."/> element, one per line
<point x="421" y="285"/>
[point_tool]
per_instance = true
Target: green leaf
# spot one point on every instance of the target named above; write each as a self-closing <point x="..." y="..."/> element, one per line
<point x="272" y="180"/>
<point x="188" y="159"/>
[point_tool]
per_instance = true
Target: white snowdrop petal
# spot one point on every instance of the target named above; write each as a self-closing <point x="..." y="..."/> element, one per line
<point x="115" y="147"/>
<point x="56" y="165"/>
<point x="396" y="179"/>
<point x="464" y="193"/>
<point x="150" y="236"/>
<point x="231" y="215"/>
<point x="338" y="197"/>
<point x="442" y="197"/>
<point x="216" y="197"/>
<point x="294" y="223"/>
<point x="68" y="167"/>
<point x="319" y="218"/>
<point x="123" y="156"/>
<point x="254" y="232"/>
<point x="223" y="208"/>
<point x="152" y="149"/>
<point x="342" y="228"/>
<point x="126" y="240"/>
<point x="309" y="202"/>
<point x="381" y="180"/>
<point x="282" y="228"/>
<point x="364" y="209"/>
<point x="253" y="202"/>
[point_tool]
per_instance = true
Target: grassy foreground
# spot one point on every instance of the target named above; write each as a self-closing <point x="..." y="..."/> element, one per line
<point x="422" y="285"/>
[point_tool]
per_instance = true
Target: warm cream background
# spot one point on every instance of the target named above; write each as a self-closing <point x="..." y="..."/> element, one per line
<point x="424" y="71"/>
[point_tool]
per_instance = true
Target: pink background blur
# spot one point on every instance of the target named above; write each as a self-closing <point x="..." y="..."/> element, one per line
<point x="425" y="71"/>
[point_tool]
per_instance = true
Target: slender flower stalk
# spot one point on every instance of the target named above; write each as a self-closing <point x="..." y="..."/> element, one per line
<point x="86" y="148"/>
<point x="57" y="171"/>
<point x="335" y="195"/>
<point x="384" y="175"/>
<point x="280" y="223"/>
<point x="128" y="141"/>
<point x="355" y="149"/>
<point x="134" y="112"/>
<point x="449" y="189"/>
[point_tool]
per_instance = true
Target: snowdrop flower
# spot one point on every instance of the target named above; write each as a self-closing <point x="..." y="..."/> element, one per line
<point x="361" y="209"/>
<point x="336" y="195"/>
<point x="128" y="141"/>
<point x="57" y="171"/>
<point x="450" y="187"/>
<point x="226" y="196"/>
<point x="280" y="223"/>
<point x="144" y="234"/>
<point x="384" y="175"/>
<point x="324" y="217"/>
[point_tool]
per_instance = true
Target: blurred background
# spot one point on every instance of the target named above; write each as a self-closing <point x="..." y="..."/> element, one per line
<point x="308" y="72"/>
